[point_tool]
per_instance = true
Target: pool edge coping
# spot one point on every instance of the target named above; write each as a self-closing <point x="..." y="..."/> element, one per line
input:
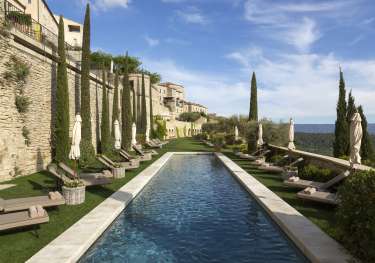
<point x="74" y="242"/>
<point x="313" y="242"/>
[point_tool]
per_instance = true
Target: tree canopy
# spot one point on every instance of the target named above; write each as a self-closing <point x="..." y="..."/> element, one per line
<point x="100" y="58"/>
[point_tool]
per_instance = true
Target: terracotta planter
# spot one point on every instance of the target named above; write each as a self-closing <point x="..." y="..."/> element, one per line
<point x="118" y="172"/>
<point x="74" y="196"/>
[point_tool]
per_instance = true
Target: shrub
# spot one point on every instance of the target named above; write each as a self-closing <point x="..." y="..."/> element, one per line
<point x="161" y="129"/>
<point x="19" y="18"/>
<point x="26" y="135"/>
<point x="141" y="138"/>
<point x="230" y="139"/>
<point x="189" y="116"/>
<point x="356" y="215"/>
<point x="315" y="173"/>
<point x="218" y="140"/>
<point x="22" y="103"/>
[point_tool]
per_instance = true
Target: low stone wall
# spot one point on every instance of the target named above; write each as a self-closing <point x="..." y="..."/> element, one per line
<point x="332" y="163"/>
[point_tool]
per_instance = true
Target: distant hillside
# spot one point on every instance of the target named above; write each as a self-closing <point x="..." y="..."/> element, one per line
<point x="320" y="143"/>
<point x="324" y="128"/>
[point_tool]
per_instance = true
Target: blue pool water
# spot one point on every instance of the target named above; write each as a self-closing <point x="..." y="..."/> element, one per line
<point x="193" y="210"/>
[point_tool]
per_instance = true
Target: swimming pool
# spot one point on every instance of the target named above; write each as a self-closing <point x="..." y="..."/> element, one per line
<point x="193" y="210"/>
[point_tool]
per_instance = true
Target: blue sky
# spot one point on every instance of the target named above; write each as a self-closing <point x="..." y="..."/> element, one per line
<point x="212" y="46"/>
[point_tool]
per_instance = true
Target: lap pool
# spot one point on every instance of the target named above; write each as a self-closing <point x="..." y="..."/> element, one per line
<point x="193" y="210"/>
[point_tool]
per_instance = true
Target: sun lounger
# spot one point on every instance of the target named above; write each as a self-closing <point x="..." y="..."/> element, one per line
<point x="88" y="179"/>
<point x="154" y="145"/>
<point x="143" y="155"/>
<point x="158" y="141"/>
<point x="17" y="204"/>
<point x="273" y="168"/>
<point x="302" y="184"/>
<point x="258" y="155"/>
<point x="127" y="165"/>
<point x="32" y="217"/>
<point x="319" y="196"/>
<point x="322" y="194"/>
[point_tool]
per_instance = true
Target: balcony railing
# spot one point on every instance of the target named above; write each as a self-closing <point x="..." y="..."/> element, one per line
<point x="25" y="24"/>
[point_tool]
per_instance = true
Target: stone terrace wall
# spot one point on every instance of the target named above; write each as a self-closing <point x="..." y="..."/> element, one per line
<point x="17" y="158"/>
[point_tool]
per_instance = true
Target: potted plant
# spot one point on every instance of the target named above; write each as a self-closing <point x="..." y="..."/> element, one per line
<point x="74" y="192"/>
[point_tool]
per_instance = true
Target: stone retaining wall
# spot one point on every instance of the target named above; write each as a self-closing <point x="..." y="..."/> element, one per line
<point x="16" y="157"/>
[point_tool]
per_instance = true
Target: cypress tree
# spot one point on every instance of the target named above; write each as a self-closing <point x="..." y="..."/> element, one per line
<point x="115" y="109"/>
<point x="62" y="102"/>
<point x="134" y="104"/>
<point x="105" y="142"/>
<point x="138" y="105"/>
<point x="341" y="142"/>
<point x="253" y="113"/>
<point x="87" y="149"/>
<point x="351" y="109"/>
<point x="144" y="107"/>
<point x="126" y="111"/>
<point x="151" y="114"/>
<point x="367" y="148"/>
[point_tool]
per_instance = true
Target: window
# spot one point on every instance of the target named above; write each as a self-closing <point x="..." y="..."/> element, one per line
<point x="73" y="28"/>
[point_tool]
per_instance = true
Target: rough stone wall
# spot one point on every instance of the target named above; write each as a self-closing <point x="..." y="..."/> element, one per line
<point x="16" y="157"/>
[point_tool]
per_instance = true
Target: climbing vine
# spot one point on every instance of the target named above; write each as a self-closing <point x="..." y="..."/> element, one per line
<point x="17" y="73"/>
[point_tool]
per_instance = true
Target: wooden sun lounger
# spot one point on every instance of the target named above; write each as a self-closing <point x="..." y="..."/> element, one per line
<point x="320" y="196"/>
<point x="143" y="155"/>
<point x="127" y="165"/>
<point x="259" y="154"/>
<point x="19" y="204"/>
<point x="21" y="219"/>
<point x="154" y="145"/>
<point x="273" y="168"/>
<point x="130" y="157"/>
<point x="302" y="184"/>
<point x="87" y="179"/>
<point x="157" y="141"/>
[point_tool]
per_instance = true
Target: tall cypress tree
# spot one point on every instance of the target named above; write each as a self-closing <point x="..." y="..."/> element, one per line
<point x="87" y="149"/>
<point x="341" y="142"/>
<point x="351" y="109"/>
<point x="115" y="106"/>
<point x="144" y="107"/>
<point x="61" y="138"/>
<point x="138" y="105"/>
<point x="105" y="142"/>
<point x="151" y="113"/>
<point x="126" y="111"/>
<point x="367" y="148"/>
<point x="253" y="113"/>
<point x="134" y="104"/>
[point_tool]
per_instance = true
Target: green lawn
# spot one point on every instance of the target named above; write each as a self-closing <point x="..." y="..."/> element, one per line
<point x="322" y="215"/>
<point x="18" y="246"/>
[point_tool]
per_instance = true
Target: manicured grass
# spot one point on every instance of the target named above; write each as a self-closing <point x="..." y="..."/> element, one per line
<point x="18" y="246"/>
<point x="322" y="215"/>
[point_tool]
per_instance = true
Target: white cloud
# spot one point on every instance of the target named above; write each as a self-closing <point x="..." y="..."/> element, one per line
<point x="193" y="15"/>
<point x="305" y="86"/>
<point x="291" y="22"/>
<point x="152" y="42"/>
<point x="108" y="4"/>
<point x="302" y="35"/>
